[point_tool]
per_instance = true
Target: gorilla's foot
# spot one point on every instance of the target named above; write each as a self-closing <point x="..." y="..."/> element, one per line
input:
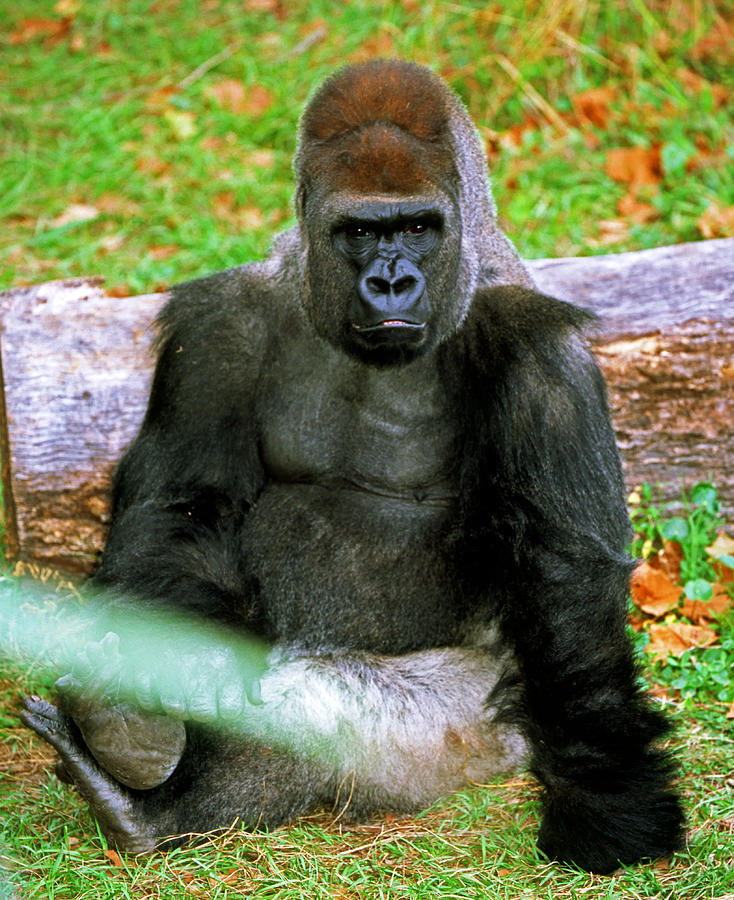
<point x="109" y="802"/>
<point x="139" y="749"/>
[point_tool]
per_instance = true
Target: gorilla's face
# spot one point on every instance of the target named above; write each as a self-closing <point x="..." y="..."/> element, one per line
<point x="384" y="275"/>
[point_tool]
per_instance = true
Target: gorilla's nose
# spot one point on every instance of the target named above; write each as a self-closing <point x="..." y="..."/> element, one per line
<point x="391" y="289"/>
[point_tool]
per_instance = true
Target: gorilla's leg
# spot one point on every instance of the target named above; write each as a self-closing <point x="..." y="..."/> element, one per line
<point x="371" y="733"/>
<point x="219" y="782"/>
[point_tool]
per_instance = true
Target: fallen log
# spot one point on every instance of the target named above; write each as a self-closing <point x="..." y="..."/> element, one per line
<point x="76" y="368"/>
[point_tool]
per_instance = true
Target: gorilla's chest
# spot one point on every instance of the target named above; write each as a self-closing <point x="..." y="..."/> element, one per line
<point x="349" y="541"/>
<point x="387" y="432"/>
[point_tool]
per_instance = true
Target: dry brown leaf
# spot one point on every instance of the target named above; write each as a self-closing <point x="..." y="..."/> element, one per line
<point x="163" y="251"/>
<point x="702" y="611"/>
<point x="160" y="97"/>
<point x="261" y="159"/>
<point x="114" y="857"/>
<point x="730" y="711"/>
<point x="67" y="7"/>
<point x="151" y="165"/>
<point x="693" y="83"/>
<point x="723" y="545"/>
<point x="635" y="210"/>
<point x="635" y="166"/>
<point x="259" y="101"/>
<point x="668" y="560"/>
<point x="717" y="222"/>
<point x="611" y="231"/>
<point x="717" y="42"/>
<point x="676" y="638"/>
<point x="32" y="29"/>
<point x="653" y="591"/>
<point x="230" y="94"/>
<point x="593" y="105"/>
<point x="119" y="290"/>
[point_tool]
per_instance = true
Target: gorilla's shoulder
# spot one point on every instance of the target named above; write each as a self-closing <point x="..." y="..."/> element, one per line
<point x="516" y="312"/>
<point x="511" y="319"/>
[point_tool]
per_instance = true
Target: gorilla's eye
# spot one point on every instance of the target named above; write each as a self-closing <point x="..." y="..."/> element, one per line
<point x="416" y="228"/>
<point x="356" y="232"/>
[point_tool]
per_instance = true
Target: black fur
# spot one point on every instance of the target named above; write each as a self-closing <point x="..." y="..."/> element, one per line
<point x="365" y="509"/>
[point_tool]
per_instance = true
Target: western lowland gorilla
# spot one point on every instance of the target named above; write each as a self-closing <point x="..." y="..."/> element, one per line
<point x="383" y="452"/>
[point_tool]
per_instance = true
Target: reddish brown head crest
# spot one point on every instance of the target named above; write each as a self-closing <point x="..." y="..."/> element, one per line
<point x="381" y="127"/>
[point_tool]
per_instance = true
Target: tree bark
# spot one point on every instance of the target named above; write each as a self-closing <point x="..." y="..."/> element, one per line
<point x="76" y="370"/>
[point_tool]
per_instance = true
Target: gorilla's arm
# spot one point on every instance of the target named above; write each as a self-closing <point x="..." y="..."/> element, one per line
<point x="547" y="499"/>
<point x="184" y="486"/>
<point x="179" y="497"/>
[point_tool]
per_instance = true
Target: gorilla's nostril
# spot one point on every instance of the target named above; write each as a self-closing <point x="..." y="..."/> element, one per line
<point x="403" y="285"/>
<point x="377" y="285"/>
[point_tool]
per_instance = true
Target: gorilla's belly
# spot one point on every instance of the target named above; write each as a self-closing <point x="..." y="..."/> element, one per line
<point x="344" y="568"/>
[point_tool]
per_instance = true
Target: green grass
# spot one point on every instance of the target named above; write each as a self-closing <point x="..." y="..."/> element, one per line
<point x="118" y="113"/>
<point x="478" y="843"/>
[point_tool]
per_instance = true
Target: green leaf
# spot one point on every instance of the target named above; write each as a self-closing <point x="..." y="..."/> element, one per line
<point x="698" y="589"/>
<point x="704" y="494"/>
<point x="675" y="530"/>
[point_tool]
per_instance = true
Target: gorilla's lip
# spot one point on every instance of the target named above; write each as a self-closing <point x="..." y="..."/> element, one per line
<point x="387" y="324"/>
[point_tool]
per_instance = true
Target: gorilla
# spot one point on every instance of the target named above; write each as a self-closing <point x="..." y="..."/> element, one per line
<point x="385" y="454"/>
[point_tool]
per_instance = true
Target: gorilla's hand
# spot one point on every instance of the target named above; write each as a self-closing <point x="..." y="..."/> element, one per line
<point x="600" y="832"/>
<point x="138" y="748"/>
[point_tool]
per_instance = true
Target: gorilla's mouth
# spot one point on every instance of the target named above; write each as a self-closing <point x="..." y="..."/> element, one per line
<point x="391" y="331"/>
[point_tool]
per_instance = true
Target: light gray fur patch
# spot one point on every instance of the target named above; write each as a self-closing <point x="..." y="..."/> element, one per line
<point x="399" y="732"/>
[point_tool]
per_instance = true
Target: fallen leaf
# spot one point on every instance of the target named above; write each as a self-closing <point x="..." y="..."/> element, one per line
<point x="668" y="560"/>
<point x="230" y="94"/>
<point x="151" y="165"/>
<point x="32" y="29"/>
<point x="114" y="857"/>
<point x="76" y="212"/>
<point x="119" y="290"/>
<point x="703" y="611"/>
<point x="611" y="231"/>
<point x="258" y="101"/>
<point x="268" y="6"/>
<point x="592" y="106"/>
<point x="717" y="42"/>
<point x="723" y="545"/>
<point x="653" y="591"/>
<point x="251" y="217"/>
<point x="261" y="159"/>
<point x="717" y="222"/>
<point x="110" y="243"/>
<point x="163" y="251"/>
<point x="635" y="210"/>
<point x="635" y="166"/>
<point x="730" y="712"/>
<point x="67" y="7"/>
<point x="160" y="97"/>
<point x="693" y="83"/>
<point x="676" y="638"/>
